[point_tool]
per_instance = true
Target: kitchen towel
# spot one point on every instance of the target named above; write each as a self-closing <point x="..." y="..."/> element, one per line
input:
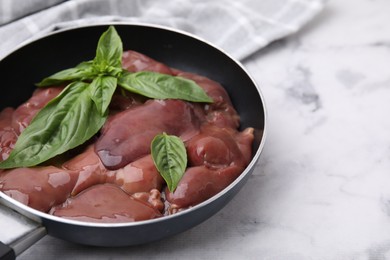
<point x="239" y="27"/>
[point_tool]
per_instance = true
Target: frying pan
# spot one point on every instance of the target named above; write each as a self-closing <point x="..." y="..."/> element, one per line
<point x="62" y="49"/>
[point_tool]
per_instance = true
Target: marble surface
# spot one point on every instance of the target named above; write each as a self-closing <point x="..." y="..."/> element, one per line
<point x="321" y="187"/>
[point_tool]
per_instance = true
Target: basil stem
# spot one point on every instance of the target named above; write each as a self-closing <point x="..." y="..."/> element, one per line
<point x="170" y="158"/>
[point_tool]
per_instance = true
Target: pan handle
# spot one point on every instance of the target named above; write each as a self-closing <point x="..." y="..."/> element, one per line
<point x="17" y="233"/>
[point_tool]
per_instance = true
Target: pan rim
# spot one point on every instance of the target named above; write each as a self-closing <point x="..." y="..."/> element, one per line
<point x="23" y="209"/>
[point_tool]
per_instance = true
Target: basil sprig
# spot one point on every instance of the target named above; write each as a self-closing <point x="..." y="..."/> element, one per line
<point x="170" y="158"/>
<point x="81" y="109"/>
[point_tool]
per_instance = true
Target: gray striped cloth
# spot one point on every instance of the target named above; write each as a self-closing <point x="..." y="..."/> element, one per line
<point x="240" y="27"/>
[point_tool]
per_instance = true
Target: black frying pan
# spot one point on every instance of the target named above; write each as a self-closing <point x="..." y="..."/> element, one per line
<point x="64" y="49"/>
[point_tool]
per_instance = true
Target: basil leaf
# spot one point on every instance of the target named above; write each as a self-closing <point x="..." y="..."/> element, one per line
<point x="170" y="158"/>
<point x="162" y="86"/>
<point x="109" y="51"/>
<point x="102" y="88"/>
<point x="81" y="109"/>
<point x="81" y="72"/>
<point x="65" y="122"/>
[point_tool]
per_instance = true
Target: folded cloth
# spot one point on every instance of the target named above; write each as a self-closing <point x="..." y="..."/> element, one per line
<point x="239" y="27"/>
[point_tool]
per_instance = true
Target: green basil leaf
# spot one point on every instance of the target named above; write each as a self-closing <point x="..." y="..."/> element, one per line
<point x="162" y="86"/>
<point x="108" y="59"/>
<point x="102" y="88"/>
<point x="65" y="122"/>
<point x="81" y="72"/>
<point x="170" y="158"/>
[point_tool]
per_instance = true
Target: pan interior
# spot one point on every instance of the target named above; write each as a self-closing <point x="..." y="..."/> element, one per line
<point x="65" y="49"/>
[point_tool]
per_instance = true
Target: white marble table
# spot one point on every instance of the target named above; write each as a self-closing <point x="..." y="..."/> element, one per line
<point x="321" y="187"/>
